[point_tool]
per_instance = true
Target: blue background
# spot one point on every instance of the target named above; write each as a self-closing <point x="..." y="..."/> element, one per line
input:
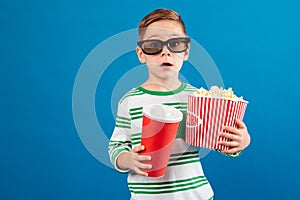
<point x="255" y="45"/>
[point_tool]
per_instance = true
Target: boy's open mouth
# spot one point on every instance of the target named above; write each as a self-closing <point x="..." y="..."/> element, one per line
<point x="166" y="64"/>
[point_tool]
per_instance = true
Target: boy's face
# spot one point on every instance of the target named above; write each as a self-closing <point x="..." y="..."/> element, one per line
<point x="165" y="64"/>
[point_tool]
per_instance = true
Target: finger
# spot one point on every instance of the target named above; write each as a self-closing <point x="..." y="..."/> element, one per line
<point x="229" y="136"/>
<point x="232" y="130"/>
<point x="143" y="158"/>
<point x="138" y="148"/>
<point x="144" y="166"/>
<point x="140" y="172"/>
<point x="228" y="143"/>
<point x="240" y="124"/>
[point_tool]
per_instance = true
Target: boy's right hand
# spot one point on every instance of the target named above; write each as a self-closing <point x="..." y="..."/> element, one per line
<point x="132" y="160"/>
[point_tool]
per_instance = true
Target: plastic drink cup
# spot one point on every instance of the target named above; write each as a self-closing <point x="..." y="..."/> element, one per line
<point x="160" y="125"/>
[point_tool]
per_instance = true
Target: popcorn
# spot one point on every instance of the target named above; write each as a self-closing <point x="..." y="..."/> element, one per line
<point x="208" y="111"/>
<point x="218" y="92"/>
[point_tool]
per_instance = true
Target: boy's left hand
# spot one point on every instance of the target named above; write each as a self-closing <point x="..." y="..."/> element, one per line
<point x="239" y="138"/>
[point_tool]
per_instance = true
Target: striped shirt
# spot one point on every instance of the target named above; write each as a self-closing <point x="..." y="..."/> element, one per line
<point x="184" y="178"/>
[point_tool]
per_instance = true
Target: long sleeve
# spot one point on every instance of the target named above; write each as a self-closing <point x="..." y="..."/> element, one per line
<point x="120" y="140"/>
<point x="235" y="155"/>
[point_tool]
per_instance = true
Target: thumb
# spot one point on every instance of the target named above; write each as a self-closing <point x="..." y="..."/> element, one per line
<point x="240" y="124"/>
<point x="138" y="148"/>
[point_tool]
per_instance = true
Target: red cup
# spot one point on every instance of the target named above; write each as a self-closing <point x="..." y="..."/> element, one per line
<point x="160" y="125"/>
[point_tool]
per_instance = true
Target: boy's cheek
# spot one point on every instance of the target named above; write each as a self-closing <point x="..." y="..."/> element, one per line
<point x="152" y="63"/>
<point x="181" y="56"/>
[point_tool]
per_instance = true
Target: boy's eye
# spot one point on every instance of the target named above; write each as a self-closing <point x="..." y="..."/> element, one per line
<point x="153" y="44"/>
<point x="152" y="47"/>
<point x="177" y="45"/>
<point x="174" y="43"/>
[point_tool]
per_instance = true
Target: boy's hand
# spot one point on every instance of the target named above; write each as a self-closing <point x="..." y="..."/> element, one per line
<point x="239" y="138"/>
<point x="132" y="160"/>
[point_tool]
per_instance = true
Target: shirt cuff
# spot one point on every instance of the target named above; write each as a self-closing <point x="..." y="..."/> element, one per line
<point x="231" y="155"/>
<point x="123" y="171"/>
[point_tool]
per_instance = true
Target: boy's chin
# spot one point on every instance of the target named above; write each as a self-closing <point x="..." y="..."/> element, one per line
<point x="168" y="74"/>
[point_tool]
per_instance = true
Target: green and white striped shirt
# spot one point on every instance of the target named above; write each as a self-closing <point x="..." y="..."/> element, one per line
<point x="184" y="177"/>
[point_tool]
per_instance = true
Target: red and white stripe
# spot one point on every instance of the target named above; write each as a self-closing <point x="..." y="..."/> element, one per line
<point x="215" y="113"/>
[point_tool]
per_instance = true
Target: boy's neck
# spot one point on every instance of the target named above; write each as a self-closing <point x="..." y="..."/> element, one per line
<point x="168" y="85"/>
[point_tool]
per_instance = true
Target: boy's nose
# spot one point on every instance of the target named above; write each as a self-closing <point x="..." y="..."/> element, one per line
<point x="165" y="51"/>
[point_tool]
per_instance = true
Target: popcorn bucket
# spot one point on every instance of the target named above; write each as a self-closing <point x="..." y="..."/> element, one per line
<point x="160" y="125"/>
<point x="206" y="118"/>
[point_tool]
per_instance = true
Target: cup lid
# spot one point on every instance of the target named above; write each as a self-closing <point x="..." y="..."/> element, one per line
<point x="162" y="113"/>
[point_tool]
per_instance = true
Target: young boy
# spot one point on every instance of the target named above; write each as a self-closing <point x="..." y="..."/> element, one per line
<point x="163" y="45"/>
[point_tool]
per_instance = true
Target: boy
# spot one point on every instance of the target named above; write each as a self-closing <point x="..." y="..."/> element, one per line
<point x="163" y="46"/>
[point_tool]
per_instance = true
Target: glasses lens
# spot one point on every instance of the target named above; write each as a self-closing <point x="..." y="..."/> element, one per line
<point x="178" y="44"/>
<point x="152" y="47"/>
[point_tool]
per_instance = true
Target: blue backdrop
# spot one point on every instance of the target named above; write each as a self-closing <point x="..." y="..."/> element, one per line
<point x="255" y="45"/>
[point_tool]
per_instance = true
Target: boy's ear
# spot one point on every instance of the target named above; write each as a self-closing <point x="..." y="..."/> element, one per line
<point x="140" y="54"/>
<point x="186" y="54"/>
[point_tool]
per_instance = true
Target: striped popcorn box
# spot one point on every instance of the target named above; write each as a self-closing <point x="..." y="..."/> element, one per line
<point x="207" y="116"/>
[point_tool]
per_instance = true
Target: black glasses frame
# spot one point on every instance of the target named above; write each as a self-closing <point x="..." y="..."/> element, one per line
<point x="186" y="40"/>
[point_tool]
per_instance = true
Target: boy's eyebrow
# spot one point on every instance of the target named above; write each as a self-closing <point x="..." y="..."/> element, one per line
<point x="157" y="35"/>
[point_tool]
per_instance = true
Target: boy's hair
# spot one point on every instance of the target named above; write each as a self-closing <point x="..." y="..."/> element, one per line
<point x="157" y="15"/>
